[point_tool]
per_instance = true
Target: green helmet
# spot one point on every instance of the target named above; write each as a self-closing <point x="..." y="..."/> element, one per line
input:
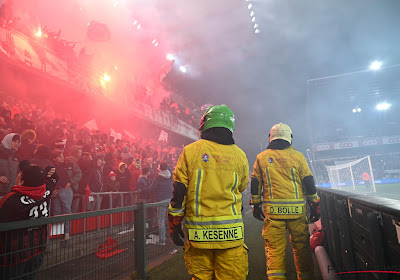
<point x="218" y="116"/>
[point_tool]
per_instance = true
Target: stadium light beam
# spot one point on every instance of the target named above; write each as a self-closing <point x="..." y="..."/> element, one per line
<point x="106" y="77"/>
<point x="183" y="69"/>
<point x="383" y="106"/>
<point x="170" y="57"/>
<point x="375" y="65"/>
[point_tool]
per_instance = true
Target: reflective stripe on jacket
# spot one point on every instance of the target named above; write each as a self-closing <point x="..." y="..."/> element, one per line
<point x="280" y="174"/>
<point x="214" y="176"/>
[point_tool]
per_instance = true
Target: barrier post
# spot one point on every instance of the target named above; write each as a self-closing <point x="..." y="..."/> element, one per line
<point x="140" y="241"/>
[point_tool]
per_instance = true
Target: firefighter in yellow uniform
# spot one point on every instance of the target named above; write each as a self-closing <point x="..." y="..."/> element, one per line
<point x="209" y="177"/>
<point x="281" y="182"/>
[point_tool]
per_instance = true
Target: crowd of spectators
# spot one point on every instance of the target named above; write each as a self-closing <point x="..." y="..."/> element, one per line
<point x="50" y="39"/>
<point x="177" y="110"/>
<point x="88" y="163"/>
<point x="384" y="166"/>
<point x="82" y="62"/>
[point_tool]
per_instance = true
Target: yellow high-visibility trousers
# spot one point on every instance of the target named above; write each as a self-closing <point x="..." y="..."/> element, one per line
<point x="274" y="233"/>
<point x="218" y="264"/>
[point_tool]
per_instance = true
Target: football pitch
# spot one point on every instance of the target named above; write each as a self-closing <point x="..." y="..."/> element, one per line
<point x="388" y="190"/>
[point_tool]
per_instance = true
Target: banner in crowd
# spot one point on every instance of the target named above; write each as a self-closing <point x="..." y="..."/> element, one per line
<point x="356" y="143"/>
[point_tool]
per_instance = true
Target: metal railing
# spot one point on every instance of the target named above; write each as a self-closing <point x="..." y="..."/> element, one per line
<point x="104" y="244"/>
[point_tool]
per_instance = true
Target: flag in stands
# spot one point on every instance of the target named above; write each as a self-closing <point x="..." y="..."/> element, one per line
<point x="163" y="136"/>
<point x="130" y="135"/>
<point x="91" y="125"/>
<point x="116" y="135"/>
<point x="98" y="32"/>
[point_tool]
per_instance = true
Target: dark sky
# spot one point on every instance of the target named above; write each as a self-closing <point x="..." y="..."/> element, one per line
<point x="300" y="40"/>
<point x="262" y="77"/>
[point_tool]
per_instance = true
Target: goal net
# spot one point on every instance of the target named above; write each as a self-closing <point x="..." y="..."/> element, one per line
<point x="354" y="175"/>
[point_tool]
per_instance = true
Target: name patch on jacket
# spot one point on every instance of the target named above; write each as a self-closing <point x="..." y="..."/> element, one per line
<point x="284" y="210"/>
<point x="216" y="234"/>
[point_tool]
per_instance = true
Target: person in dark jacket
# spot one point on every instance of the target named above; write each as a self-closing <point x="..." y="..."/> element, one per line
<point x="161" y="189"/>
<point x="144" y="195"/>
<point x="41" y="156"/>
<point x="69" y="177"/>
<point x="123" y="177"/>
<point x="22" y="250"/>
<point x="143" y="185"/>
<point x="112" y="185"/>
<point x="9" y="161"/>
<point x="95" y="183"/>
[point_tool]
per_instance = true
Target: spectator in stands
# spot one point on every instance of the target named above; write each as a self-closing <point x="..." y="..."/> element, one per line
<point x="3" y="129"/>
<point x="85" y="164"/>
<point x="95" y="183"/>
<point x="144" y="194"/>
<point x="123" y="177"/>
<point x="41" y="157"/>
<point x="9" y="161"/>
<point x="69" y="177"/>
<point x="161" y="189"/>
<point x="76" y="154"/>
<point x="112" y="185"/>
<point x="134" y="169"/>
<point x="152" y="167"/>
<point x="108" y="164"/>
<point x="27" y="148"/>
<point x="125" y="155"/>
<point x="5" y="112"/>
<point x="22" y="250"/>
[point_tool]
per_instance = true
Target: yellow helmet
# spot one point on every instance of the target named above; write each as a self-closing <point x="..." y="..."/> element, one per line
<point x="281" y="131"/>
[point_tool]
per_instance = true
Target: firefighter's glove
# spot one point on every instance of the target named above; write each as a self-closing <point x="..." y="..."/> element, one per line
<point x="314" y="211"/>
<point x="175" y="229"/>
<point x="258" y="212"/>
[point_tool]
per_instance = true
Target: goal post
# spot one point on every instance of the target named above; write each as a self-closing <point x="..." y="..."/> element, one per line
<point x="352" y="175"/>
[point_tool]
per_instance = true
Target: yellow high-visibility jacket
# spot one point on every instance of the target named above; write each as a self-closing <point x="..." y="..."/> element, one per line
<point x="214" y="176"/>
<point x="280" y="174"/>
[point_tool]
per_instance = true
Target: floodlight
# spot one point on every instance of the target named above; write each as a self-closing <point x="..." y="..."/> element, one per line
<point x="183" y="69"/>
<point x="252" y="13"/>
<point x="354" y="110"/>
<point x="358" y="110"/>
<point x="249" y="6"/>
<point x="170" y="57"/>
<point x="383" y="106"/>
<point x="376" y="65"/>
